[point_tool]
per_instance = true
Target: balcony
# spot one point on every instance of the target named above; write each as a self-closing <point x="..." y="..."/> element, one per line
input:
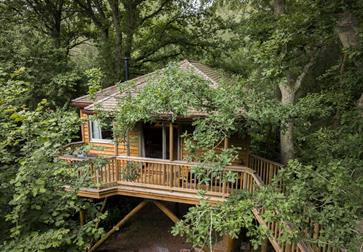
<point x="159" y="179"/>
<point x="163" y="179"/>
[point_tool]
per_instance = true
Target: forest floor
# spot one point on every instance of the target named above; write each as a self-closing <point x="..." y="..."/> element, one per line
<point x="148" y="231"/>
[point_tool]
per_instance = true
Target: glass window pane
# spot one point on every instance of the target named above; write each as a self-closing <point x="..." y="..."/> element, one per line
<point x="101" y="130"/>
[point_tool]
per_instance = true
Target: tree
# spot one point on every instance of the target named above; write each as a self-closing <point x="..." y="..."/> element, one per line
<point x="40" y="215"/>
<point x="49" y="72"/>
<point x="149" y="33"/>
<point x="56" y="19"/>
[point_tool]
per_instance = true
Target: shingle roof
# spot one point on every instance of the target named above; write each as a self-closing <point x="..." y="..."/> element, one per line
<point x="108" y="98"/>
<point x="86" y="100"/>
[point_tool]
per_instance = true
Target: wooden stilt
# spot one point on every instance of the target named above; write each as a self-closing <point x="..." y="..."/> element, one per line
<point x="229" y="243"/>
<point x="81" y="217"/>
<point x="226" y="143"/>
<point x="166" y="211"/>
<point x="119" y="224"/>
<point x="264" y="245"/>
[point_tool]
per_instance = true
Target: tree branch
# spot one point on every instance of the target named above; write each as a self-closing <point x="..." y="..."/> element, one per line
<point x="156" y="12"/>
<point x="306" y="69"/>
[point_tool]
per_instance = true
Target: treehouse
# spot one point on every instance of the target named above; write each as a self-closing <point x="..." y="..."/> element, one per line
<point x="151" y="163"/>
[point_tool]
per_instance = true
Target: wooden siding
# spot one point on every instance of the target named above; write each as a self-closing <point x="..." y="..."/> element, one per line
<point x="108" y="149"/>
<point x="84" y="127"/>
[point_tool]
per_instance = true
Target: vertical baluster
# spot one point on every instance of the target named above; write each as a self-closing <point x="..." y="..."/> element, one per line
<point x="117" y="171"/>
<point x="172" y="175"/>
<point x="102" y="174"/>
<point x="108" y="168"/>
<point x="97" y="177"/>
<point x="157" y="174"/>
<point x="277" y="231"/>
<point x="244" y="185"/>
<point x="147" y="178"/>
<point x="265" y="167"/>
<point x="262" y="170"/>
<point x="178" y="179"/>
<point x="142" y="172"/>
<point x="151" y="173"/>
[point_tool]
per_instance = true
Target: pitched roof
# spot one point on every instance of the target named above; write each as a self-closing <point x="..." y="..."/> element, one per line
<point x="108" y="98"/>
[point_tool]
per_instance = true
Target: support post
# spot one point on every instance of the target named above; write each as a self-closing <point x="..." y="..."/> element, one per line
<point x="128" y="143"/>
<point x="118" y="225"/>
<point x="171" y="142"/>
<point x="226" y="143"/>
<point x="115" y="140"/>
<point x="229" y="243"/>
<point x="141" y="141"/>
<point x="264" y="245"/>
<point x="81" y="217"/>
<point x="163" y="141"/>
<point x="166" y="211"/>
<point x="116" y="147"/>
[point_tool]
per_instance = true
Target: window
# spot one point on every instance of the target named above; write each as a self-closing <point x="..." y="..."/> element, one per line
<point x="101" y="132"/>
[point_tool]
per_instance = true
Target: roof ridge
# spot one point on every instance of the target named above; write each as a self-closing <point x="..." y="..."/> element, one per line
<point x="104" y="95"/>
<point x="206" y="76"/>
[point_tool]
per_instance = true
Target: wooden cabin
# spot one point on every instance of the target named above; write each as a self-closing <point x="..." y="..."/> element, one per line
<point x="157" y="153"/>
<point x="149" y="140"/>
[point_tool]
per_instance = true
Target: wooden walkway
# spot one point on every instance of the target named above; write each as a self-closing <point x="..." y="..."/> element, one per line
<point x="158" y="179"/>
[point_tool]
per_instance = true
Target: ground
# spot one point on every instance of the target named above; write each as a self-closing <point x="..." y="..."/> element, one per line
<point x="148" y="231"/>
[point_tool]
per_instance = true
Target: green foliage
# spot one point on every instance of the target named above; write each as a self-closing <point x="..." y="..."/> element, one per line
<point x="205" y="224"/>
<point x="41" y="71"/>
<point x="172" y="94"/>
<point x="39" y="213"/>
<point x="95" y="77"/>
<point x="131" y="171"/>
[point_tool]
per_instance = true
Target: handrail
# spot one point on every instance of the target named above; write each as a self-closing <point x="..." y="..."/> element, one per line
<point x="265" y="159"/>
<point x="73" y="144"/>
<point x="265" y="169"/>
<point x="176" y="176"/>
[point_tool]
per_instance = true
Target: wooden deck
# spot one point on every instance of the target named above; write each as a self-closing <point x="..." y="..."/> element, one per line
<point x="162" y="180"/>
<point x="173" y="181"/>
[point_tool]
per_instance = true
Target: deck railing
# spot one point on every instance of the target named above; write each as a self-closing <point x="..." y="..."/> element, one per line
<point x="168" y="175"/>
<point x="177" y="176"/>
<point x="265" y="169"/>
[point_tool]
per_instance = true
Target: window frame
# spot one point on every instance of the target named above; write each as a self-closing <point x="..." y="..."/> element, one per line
<point x="98" y="140"/>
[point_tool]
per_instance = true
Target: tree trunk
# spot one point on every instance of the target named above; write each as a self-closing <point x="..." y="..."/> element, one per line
<point x="279" y="7"/>
<point x="347" y="30"/>
<point x="288" y="93"/>
<point x="114" y="4"/>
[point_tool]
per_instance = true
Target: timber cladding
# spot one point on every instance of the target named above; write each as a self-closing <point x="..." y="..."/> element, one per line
<point x="109" y="149"/>
<point x="136" y="138"/>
